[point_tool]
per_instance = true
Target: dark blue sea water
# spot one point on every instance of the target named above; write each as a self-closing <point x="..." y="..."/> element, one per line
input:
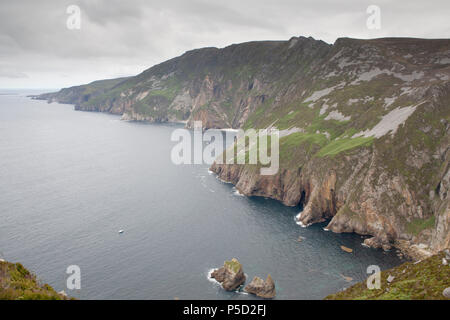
<point x="70" y="180"/>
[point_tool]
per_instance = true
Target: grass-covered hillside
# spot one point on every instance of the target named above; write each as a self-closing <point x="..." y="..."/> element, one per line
<point x="17" y="283"/>
<point x="426" y="279"/>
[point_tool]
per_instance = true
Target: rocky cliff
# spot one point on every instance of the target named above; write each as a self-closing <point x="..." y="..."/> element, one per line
<point x="366" y="145"/>
<point x="364" y="126"/>
<point x="220" y="87"/>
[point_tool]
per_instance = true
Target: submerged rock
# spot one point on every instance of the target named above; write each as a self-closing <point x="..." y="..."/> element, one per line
<point x="346" y="249"/>
<point x="231" y="275"/>
<point x="348" y="279"/>
<point x="378" y="243"/>
<point x="261" y="288"/>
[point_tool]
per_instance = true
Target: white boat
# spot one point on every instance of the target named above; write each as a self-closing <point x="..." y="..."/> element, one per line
<point x="120" y="231"/>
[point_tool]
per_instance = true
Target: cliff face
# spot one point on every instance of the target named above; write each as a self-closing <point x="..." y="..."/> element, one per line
<point x="366" y="146"/>
<point x="220" y="87"/>
<point x="364" y="125"/>
<point x="394" y="188"/>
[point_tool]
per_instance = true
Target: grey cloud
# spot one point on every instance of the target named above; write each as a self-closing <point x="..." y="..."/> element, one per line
<point x="124" y="37"/>
<point x="9" y="74"/>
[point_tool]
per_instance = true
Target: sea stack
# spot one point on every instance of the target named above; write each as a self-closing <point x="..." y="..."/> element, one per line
<point x="231" y="275"/>
<point x="261" y="288"/>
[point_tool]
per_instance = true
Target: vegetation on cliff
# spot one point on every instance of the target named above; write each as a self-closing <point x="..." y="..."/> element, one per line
<point x="426" y="279"/>
<point x="231" y="276"/>
<point x="17" y="283"/>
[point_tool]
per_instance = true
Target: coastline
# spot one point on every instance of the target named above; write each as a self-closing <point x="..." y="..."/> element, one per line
<point x="246" y="184"/>
<point x="293" y="195"/>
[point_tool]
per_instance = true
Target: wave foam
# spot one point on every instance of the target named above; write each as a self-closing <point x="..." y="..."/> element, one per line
<point x="208" y="276"/>
<point x="297" y="221"/>
<point x="237" y="193"/>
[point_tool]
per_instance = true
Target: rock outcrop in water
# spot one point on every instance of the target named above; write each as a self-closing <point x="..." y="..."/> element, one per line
<point x="261" y="288"/>
<point x="365" y="126"/>
<point x="231" y="275"/>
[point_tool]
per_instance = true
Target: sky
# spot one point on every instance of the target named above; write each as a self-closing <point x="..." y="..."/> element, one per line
<point x="41" y="45"/>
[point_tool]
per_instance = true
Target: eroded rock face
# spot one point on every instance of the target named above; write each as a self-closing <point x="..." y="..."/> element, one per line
<point x="377" y="243"/>
<point x="359" y="194"/>
<point x="284" y="186"/>
<point x="231" y="275"/>
<point x="220" y="87"/>
<point x="261" y="288"/>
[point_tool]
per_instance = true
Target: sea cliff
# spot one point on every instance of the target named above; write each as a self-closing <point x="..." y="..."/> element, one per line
<point x="364" y="126"/>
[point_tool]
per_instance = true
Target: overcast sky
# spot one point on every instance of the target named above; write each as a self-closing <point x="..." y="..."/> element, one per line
<point x="121" y="38"/>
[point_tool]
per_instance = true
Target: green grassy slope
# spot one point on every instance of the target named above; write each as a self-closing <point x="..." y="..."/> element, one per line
<point x="17" y="283"/>
<point x="412" y="281"/>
